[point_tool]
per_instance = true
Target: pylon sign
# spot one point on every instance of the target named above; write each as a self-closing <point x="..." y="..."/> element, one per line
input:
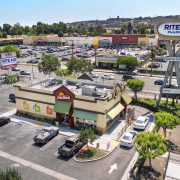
<point x="168" y="29"/>
<point x="95" y="42"/>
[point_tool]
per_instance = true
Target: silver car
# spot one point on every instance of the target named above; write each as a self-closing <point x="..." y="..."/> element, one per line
<point x="128" y="139"/>
<point x="45" y="134"/>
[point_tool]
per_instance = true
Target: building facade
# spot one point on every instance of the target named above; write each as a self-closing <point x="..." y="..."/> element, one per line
<point x="74" y="103"/>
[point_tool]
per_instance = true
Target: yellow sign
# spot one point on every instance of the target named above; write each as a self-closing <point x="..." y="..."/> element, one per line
<point x="25" y="106"/>
<point x="95" y="41"/>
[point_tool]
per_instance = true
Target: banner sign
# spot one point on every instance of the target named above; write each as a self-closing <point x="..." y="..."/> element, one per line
<point x="171" y="91"/>
<point x="169" y="29"/>
<point x="171" y="58"/>
<point x="8" y="61"/>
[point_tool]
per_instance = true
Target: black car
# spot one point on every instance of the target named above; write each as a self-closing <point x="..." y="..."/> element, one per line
<point x="158" y="82"/>
<point x="4" y="120"/>
<point x="126" y="77"/>
<point x="12" y="98"/>
<point x="24" y="73"/>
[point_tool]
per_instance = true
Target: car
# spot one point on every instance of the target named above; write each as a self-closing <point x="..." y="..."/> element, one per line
<point x="107" y="76"/>
<point x="126" y="77"/>
<point x="70" y="147"/>
<point x="15" y="69"/>
<point x="93" y="75"/>
<point x="154" y="65"/>
<point x="141" y="122"/>
<point x="12" y="97"/>
<point x="29" y="61"/>
<point x="46" y="134"/>
<point x="4" y="120"/>
<point x="158" y="82"/>
<point x="35" y="61"/>
<point x="128" y="139"/>
<point x="24" y="73"/>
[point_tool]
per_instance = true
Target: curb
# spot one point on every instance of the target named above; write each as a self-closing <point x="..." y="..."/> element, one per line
<point x="94" y="159"/>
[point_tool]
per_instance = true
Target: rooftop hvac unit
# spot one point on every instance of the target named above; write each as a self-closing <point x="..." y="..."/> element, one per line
<point x="88" y="90"/>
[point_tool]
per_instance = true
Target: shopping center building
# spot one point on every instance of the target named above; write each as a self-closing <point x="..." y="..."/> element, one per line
<point x="75" y="103"/>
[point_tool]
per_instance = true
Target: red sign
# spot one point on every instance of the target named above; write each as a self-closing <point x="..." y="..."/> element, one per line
<point x="62" y="96"/>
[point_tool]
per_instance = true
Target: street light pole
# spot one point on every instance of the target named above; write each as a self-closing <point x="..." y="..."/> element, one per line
<point x="32" y="68"/>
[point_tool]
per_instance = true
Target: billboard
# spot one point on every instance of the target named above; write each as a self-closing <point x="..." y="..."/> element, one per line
<point x="169" y="29"/>
<point x="8" y="60"/>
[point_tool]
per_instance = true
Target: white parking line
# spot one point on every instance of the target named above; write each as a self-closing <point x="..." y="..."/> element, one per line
<point x="30" y="143"/>
<point x="49" y="143"/>
<point x="36" y="167"/>
<point x="56" y="153"/>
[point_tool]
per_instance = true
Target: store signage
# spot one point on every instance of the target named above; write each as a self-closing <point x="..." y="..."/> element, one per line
<point x="171" y="91"/>
<point x="62" y="96"/>
<point x="49" y="110"/>
<point x="124" y="38"/>
<point x="169" y="29"/>
<point x="25" y="106"/>
<point x="8" y="61"/>
<point x="8" y="55"/>
<point x="37" y="108"/>
<point x="172" y="58"/>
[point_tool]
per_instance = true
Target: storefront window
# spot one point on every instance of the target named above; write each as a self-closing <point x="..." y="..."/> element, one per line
<point x="82" y="123"/>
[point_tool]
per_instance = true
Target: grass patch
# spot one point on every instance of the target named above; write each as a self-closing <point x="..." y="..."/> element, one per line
<point x="151" y="105"/>
<point x="90" y="154"/>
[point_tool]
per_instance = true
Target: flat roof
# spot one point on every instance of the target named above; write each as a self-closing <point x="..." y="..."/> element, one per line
<point x="76" y="86"/>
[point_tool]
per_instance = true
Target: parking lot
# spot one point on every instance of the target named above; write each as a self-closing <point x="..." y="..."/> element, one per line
<point x="16" y="140"/>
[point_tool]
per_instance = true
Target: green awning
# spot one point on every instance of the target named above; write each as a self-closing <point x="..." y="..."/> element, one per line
<point x="127" y="99"/>
<point x="62" y="107"/>
<point x="85" y="115"/>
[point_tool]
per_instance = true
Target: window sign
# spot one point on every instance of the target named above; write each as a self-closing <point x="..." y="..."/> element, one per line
<point x="25" y="106"/>
<point x="49" y="110"/>
<point x="37" y="108"/>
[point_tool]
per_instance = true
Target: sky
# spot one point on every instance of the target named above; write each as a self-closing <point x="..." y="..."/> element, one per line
<point x="28" y="12"/>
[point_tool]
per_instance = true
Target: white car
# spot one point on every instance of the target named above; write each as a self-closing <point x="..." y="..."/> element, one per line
<point x="128" y="139"/>
<point x="107" y="76"/>
<point x="141" y="122"/>
<point x="93" y="75"/>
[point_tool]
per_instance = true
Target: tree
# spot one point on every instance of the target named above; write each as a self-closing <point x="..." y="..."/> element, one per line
<point x="10" y="48"/>
<point x="87" y="135"/>
<point x="60" y="34"/>
<point x="10" y="174"/>
<point x="7" y="28"/>
<point x="150" y="145"/>
<point x="129" y="61"/>
<point x="136" y="85"/>
<point x="166" y="121"/>
<point x="79" y="65"/>
<point x="48" y="64"/>
<point x="130" y="28"/>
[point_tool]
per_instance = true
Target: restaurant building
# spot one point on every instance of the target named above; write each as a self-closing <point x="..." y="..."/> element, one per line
<point x="75" y="103"/>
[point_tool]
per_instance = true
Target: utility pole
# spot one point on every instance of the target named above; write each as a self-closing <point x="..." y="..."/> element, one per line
<point x="72" y="46"/>
<point x="32" y="68"/>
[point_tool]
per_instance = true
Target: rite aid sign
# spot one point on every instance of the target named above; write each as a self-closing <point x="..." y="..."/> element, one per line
<point x="8" y="59"/>
<point x="169" y="29"/>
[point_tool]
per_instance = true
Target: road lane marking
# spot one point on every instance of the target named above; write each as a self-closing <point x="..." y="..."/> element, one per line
<point x="49" y="143"/>
<point x="36" y="167"/>
<point x="112" y="168"/>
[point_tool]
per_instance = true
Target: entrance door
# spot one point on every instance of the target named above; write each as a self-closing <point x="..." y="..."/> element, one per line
<point x="65" y="119"/>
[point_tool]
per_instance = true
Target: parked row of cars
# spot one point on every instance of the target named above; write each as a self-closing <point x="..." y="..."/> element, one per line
<point x="128" y="138"/>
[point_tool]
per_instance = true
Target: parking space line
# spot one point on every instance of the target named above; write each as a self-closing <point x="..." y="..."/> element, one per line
<point x="30" y="143"/>
<point x="56" y="153"/>
<point x="49" y="143"/>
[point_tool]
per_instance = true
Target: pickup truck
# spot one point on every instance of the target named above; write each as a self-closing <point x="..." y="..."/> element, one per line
<point x="70" y="147"/>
